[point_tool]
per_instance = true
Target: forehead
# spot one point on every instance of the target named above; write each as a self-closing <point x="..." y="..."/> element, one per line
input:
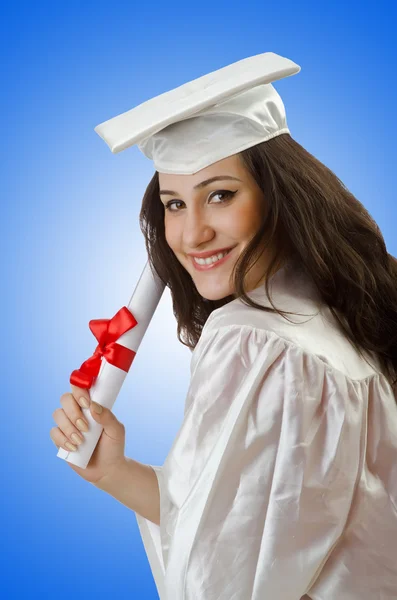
<point x="231" y="165"/>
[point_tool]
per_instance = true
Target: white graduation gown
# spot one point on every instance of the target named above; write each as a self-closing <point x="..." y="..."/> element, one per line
<point x="282" y="480"/>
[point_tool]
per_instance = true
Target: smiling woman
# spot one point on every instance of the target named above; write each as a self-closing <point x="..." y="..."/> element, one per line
<point x="283" y="214"/>
<point x="281" y="480"/>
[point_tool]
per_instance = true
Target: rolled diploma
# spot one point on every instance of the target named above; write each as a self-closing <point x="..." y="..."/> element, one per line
<point x="107" y="385"/>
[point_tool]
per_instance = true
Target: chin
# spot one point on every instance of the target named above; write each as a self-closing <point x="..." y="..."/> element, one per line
<point x="208" y="295"/>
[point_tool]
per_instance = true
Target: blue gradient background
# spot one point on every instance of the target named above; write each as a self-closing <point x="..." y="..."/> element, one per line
<point x="72" y="250"/>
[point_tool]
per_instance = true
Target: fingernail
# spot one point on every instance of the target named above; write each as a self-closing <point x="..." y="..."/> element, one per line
<point x="84" y="402"/>
<point x="76" y="439"/>
<point x="97" y="407"/>
<point x="82" y="425"/>
<point x="70" y="447"/>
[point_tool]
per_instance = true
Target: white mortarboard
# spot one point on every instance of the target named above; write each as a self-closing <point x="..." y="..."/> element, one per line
<point x="182" y="131"/>
<point x="205" y="120"/>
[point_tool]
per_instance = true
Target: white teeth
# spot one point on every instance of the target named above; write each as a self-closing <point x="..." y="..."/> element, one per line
<point x="211" y="259"/>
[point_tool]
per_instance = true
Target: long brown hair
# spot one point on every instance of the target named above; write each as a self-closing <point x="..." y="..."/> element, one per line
<point x="312" y="218"/>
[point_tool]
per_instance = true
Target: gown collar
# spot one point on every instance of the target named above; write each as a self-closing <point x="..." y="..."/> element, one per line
<point x="291" y="288"/>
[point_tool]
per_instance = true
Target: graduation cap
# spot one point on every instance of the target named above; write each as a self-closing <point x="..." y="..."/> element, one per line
<point x="182" y="131"/>
<point x="207" y="119"/>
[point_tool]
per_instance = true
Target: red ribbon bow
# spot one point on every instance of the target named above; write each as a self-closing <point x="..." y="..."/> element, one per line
<point x="107" y="331"/>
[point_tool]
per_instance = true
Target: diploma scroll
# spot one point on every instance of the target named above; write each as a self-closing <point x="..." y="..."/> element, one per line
<point x="107" y="384"/>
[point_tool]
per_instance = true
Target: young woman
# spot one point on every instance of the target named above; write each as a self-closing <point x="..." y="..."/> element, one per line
<point x="282" y="480"/>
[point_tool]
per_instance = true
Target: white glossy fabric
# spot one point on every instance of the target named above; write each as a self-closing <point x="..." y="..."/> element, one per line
<point x="282" y="480"/>
<point x="207" y="119"/>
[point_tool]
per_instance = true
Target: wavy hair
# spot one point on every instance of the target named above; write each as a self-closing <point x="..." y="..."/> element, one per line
<point x="312" y="218"/>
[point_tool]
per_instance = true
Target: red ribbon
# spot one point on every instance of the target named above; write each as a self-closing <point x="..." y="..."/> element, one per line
<point x="107" y="331"/>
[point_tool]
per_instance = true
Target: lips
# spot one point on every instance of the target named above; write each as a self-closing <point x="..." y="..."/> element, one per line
<point x="213" y="265"/>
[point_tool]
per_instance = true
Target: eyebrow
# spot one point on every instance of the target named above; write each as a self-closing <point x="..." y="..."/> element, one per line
<point x="201" y="185"/>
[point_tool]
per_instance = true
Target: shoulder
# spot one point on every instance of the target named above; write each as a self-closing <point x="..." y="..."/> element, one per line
<point x="313" y="333"/>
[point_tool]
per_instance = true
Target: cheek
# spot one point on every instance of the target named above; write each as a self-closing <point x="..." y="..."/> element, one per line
<point x="244" y="221"/>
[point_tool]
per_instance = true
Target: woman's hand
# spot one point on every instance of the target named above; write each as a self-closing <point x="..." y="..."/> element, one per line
<point x="109" y="451"/>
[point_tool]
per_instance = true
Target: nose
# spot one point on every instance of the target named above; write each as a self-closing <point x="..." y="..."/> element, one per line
<point x="196" y="229"/>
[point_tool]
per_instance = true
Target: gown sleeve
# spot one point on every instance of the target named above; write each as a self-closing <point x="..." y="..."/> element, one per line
<point x="151" y="538"/>
<point x="263" y="470"/>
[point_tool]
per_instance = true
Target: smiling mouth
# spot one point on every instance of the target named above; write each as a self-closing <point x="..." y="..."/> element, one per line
<point x="211" y="265"/>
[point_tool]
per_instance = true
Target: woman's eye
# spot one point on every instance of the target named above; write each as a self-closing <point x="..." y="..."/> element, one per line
<point x="227" y="194"/>
<point x="170" y="203"/>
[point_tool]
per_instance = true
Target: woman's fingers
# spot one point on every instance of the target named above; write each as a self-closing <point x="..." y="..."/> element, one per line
<point x="67" y="428"/>
<point x="73" y="412"/>
<point x="71" y="423"/>
<point x="61" y="441"/>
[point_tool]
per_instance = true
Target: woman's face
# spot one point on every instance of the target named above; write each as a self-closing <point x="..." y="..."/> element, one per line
<point x="205" y="215"/>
